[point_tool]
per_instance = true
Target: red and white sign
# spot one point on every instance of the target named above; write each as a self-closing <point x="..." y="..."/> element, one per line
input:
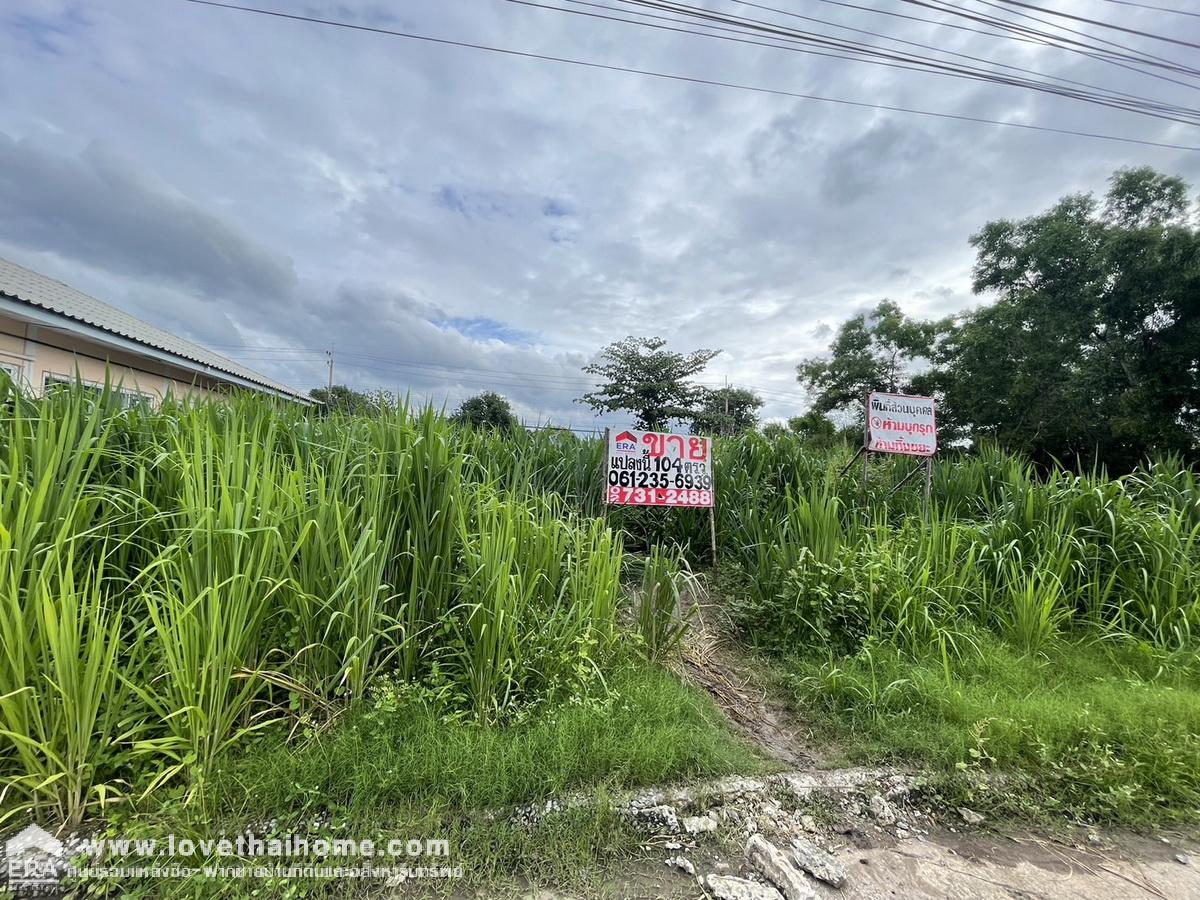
<point x="646" y="468"/>
<point x="898" y="423"/>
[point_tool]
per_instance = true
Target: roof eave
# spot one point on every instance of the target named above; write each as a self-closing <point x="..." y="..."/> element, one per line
<point x="62" y="322"/>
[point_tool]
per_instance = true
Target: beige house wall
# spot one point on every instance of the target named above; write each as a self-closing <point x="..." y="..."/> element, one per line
<point x="37" y="353"/>
<point x="13" y="353"/>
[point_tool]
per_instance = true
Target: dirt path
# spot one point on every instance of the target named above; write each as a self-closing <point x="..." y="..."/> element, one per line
<point x="1001" y="866"/>
<point x="709" y="663"/>
<point x="889" y="848"/>
<point x="981" y="867"/>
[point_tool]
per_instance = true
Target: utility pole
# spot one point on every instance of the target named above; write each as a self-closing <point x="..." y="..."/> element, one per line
<point x="726" y="425"/>
<point x="329" y="360"/>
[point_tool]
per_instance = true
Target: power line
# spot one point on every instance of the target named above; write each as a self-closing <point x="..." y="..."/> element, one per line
<point x="930" y="47"/>
<point x="1127" y="53"/>
<point x="1166" y="9"/>
<point x="688" y="79"/>
<point x="1084" y="34"/>
<point x="911" y="18"/>
<point x="875" y="55"/>
<point x="1098" y="54"/>
<point x="872" y="54"/>
<point x="1112" y="26"/>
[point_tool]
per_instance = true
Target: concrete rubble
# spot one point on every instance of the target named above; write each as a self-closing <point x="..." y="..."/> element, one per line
<point x="699" y="824"/>
<point x="818" y="863"/>
<point x="777" y="869"/>
<point x="881" y="810"/>
<point x="682" y="863"/>
<point x="729" y="887"/>
<point x="970" y="816"/>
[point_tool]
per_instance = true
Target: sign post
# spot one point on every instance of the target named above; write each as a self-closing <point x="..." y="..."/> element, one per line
<point x="649" y="468"/>
<point x="901" y="424"/>
<point x="898" y="423"/>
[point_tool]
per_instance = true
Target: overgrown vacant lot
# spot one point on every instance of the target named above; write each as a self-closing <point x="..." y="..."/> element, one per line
<point x="1040" y="626"/>
<point x="173" y="582"/>
<point x="1100" y="733"/>
<point x="221" y="615"/>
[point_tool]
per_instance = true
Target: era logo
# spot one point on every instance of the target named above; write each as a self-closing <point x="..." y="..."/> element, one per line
<point x="625" y="442"/>
<point x="34" y="856"/>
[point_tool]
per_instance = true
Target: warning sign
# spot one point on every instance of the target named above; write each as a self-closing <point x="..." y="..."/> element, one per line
<point x="898" y="423"/>
<point x="647" y="468"/>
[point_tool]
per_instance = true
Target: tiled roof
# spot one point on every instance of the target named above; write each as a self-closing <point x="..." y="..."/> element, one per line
<point x="46" y="293"/>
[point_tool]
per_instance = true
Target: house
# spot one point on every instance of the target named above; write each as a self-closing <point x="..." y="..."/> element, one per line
<point x="50" y="333"/>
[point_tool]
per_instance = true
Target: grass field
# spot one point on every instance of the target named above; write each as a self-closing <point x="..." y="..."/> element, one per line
<point x="403" y="764"/>
<point x="1093" y="732"/>
<point x="222" y="609"/>
<point x="1039" y="626"/>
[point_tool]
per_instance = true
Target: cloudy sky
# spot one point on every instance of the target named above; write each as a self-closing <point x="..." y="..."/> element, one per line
<point x="452" y="220"/>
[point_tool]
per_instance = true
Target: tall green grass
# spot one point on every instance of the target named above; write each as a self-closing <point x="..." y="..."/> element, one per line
<point x="1031" y="556"/>
<point x="1098" y="730"/>
<point x="173" y="580"/>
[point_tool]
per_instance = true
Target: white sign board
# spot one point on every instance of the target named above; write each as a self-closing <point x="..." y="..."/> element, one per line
<point x="898" y="423"/>
<point x="646" y="468"/>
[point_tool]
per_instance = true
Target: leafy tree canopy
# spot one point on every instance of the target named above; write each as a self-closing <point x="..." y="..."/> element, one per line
<point x="486" y="410"/>
<point x="1090" y="351"/>
<point x="876" y="351"/>
<point x="814" y="428"/>
<point x="727" y="410"/>
<point x="1092" y="348"/>
<point x="641" y="377"/>
<point x="343" y="399"/>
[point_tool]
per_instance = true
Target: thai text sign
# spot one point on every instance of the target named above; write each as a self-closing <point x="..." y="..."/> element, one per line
<point x="645" y="468"/>
<point x="897" y="423"/>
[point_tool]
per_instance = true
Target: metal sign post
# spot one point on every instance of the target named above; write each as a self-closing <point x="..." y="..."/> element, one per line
<point x="928" y="486"/>
<point x="900" y="424"/>
<point x="604" y="480"/>
<point x="712" y="517"/>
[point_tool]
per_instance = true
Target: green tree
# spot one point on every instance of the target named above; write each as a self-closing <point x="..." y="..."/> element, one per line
<point x="727" y="410"/>
<point x="814" y="428"/>
<point x="343" y="399"/>
<point x="773" y="430"/>
<point x="876" y="351"/>
<point x="641" y="377"/>
<point x="1092" y="348"/>
<point x="486" y="410"/>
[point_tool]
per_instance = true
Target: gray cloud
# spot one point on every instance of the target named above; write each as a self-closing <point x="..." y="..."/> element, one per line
<point x="102" y="209"/>
<point x="453" y="221"/>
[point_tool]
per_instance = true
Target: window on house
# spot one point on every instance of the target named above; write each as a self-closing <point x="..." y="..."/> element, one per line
<point x="130" y="397"/>
<point x="52" y="382"/>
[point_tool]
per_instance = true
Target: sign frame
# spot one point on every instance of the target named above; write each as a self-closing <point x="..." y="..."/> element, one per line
<point x="924" y="460"/>
<point x="711" y="506"/>
<point x="872" y="424"/>
<point x="658" y="469"/>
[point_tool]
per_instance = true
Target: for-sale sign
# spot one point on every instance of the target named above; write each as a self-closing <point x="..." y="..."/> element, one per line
<point x="646" y="468"/>
<point x="898" y="423"/>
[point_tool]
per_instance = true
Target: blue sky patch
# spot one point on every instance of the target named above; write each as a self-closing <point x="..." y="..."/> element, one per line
<point x="472" y="204"/>
<point x="481" y="328"/>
